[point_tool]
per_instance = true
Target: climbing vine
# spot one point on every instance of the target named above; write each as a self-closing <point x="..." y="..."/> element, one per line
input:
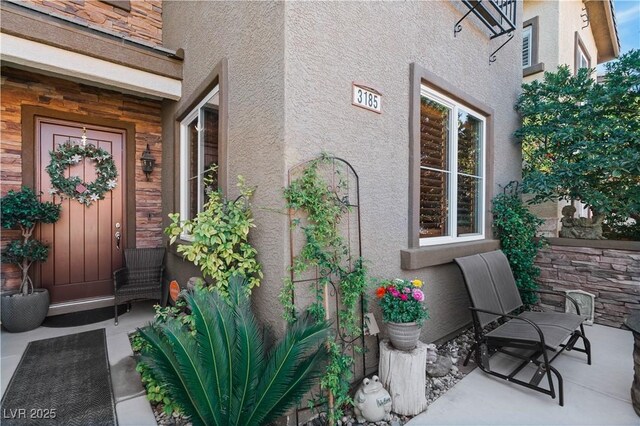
<point x="516" y="227"/>
<point x="326" y="250"/>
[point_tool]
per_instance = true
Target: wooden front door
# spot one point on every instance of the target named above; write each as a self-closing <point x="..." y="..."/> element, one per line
<point x="83" y="247"/>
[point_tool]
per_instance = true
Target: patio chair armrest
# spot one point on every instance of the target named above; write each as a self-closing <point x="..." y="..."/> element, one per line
<point x="119" y="277"/>
<point x="514" y="317"/>
<point x="558" y="293"/>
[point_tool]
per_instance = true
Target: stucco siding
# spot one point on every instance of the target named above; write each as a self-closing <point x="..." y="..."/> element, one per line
<point x="330" y="45"/>
<point x="570" y="17"/>
<point x="549" y="33"/>
<point x="250" y="36"/>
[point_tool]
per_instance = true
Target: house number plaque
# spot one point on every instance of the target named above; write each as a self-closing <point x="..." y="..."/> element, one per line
<point x="366" y="97"/>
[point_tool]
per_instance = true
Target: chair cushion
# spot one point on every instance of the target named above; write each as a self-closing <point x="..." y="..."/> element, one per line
<point x="556" y="327"/>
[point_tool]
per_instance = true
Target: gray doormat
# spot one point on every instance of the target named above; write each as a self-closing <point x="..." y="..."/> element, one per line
<point x="62" y="381"/>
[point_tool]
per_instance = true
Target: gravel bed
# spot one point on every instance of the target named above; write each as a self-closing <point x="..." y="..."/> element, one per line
<point x="457" y="349"/>
<point x="167" y="419"/>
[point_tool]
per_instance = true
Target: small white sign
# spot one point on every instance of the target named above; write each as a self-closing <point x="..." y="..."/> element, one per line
<point x="367" y="98"/>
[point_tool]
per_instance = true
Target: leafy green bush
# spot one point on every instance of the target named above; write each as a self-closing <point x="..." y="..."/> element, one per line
<point x="23" y="210"/>
<point x="224" y="374"/>
<point x="615" y="228"/>
<point x="580" y="137"/>
<point x="156" y="391"/>
<point x="516" y="227"/>
<point x="220" y="238"/>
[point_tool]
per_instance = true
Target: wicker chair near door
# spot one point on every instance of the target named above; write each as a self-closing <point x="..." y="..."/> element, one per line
<point x="141" y="278"/>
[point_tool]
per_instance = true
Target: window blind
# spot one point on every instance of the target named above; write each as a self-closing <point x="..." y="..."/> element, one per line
<point x="526" y="47"/>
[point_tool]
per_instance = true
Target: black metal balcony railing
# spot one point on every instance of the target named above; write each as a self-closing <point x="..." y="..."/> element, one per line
<point x="499" y="16"/>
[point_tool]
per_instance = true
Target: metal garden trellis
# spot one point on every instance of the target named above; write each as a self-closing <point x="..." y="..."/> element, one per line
<point x="344" y="183"/>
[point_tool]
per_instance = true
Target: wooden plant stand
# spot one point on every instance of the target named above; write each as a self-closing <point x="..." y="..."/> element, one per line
<point x="403" y="374"/>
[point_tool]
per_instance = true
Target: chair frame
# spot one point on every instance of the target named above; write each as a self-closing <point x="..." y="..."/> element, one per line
<point x="140" y="293"/>
<point x="484" y="344"/>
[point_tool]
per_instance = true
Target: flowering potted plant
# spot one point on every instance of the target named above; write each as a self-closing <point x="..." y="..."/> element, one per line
<point x="404" y="311"/>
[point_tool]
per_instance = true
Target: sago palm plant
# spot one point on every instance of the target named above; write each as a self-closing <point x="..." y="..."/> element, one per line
<point x="223" y="374"/>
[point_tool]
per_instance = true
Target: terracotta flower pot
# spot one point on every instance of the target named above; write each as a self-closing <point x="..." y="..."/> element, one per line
<point x="404" y="336"/>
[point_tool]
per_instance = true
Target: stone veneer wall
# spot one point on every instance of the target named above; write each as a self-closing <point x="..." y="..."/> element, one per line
<point x="143" y="22"/>
<point x="613" y="275"/>
<point x="26" y="88"/>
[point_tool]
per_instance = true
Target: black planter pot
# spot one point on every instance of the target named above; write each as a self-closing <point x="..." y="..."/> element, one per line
<point x="24" y="313"/>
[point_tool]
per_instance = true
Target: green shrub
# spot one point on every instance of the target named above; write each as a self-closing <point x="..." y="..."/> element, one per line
<point x="220" y="238"/>
<point x="616" y="228"/>
<point x="224" y="374"/>
<point x="24" y="210"/>
<point x="516" y="228"/>
<point x="156" y="392"/>
<point x="580" y="137"/>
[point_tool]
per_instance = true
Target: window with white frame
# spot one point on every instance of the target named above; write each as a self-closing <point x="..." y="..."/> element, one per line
<point x="199" y="152"/>
<point x="582" y="57"/>
<point x="452" y="170"/>
<point x="583" y="60"/>
<point x="526" y="47"/>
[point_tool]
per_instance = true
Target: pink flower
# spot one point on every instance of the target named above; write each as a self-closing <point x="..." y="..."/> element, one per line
<point x="418" y="294"/>
<point x="403" y="297"/>
<point x="394" y="292"/>
<point x="406" y="290"/>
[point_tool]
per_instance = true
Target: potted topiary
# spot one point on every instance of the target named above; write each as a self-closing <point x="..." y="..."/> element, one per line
<point x="403" y="310"/>
<point x="26" y="308"/>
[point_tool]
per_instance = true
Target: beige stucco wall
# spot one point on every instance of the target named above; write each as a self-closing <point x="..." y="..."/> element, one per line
<point x="250" y="35"/>
<point x="329" y="45"/>
<point x="571" y="20"/>
<point x="549" y="33"/>
<point x="291" y="66"/>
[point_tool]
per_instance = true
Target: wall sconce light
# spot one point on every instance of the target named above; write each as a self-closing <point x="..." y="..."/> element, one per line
<point x="147" y="162"/>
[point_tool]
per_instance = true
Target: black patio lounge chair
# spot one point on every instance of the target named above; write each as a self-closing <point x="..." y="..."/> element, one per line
<point x="534" y="337"/>
<point x="141" y="278"/>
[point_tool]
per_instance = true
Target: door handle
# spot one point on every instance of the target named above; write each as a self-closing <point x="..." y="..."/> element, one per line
<point x="118" y="236"/>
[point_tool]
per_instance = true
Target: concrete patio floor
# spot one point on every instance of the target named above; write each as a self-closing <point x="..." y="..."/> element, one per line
<point x="132" y="406"/>
<point x="596" y="394"/>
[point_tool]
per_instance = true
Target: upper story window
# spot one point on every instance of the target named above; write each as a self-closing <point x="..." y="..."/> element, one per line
<point x="530" y="46"/>
<point x="452" y="170"/>
<point x="582" y="57"/>
<point x="526" y="47"/>
<point x="199" y="154"/>
<point x="583" y="61"/>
